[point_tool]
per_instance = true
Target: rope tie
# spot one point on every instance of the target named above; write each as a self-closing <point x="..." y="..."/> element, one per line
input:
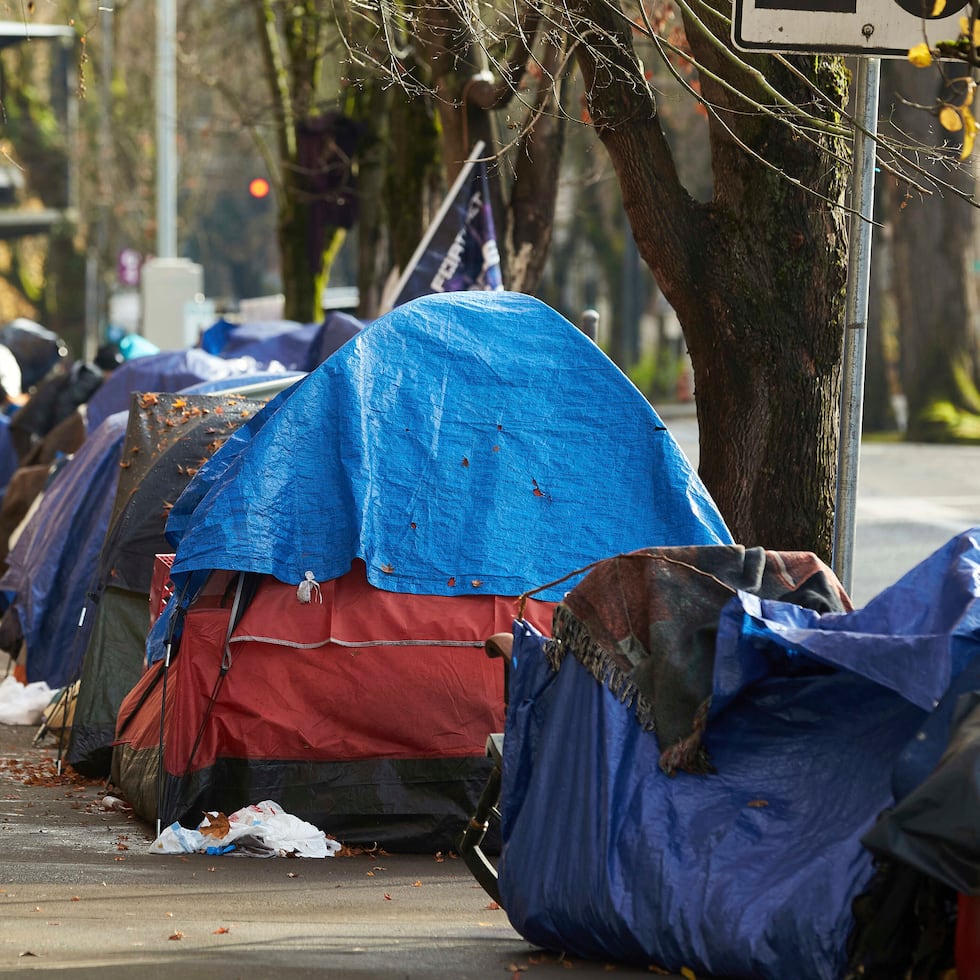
<point x="308" y="588"/>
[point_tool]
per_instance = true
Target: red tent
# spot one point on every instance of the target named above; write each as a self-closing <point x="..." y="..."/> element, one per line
<point x="362" y="711"/>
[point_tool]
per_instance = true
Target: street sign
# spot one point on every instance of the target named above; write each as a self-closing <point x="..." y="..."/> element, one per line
<point x="878" y="28"/>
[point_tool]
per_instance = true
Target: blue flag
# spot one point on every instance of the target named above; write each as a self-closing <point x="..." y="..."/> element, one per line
<point x="460" y="252"/>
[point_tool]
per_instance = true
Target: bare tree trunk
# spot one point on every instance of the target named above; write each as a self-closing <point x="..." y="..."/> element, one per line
<point x="936" y="281"/>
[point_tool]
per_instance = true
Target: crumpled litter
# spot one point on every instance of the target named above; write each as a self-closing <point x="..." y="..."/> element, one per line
<point x="23" y="704"/>
<point x="260" y="830"/>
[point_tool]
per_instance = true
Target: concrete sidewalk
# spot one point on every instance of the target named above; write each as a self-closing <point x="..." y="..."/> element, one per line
<point x="81" y="895"/>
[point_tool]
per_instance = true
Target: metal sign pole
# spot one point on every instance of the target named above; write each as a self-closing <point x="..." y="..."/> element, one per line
<point x="166" y="120"/>
<point x="856" y="305"/>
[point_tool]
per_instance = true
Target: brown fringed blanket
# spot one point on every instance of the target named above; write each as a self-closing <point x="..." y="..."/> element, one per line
<point x="644" y="624"/>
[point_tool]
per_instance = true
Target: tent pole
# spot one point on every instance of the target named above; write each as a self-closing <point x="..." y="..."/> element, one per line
<point x="163" y="710"/>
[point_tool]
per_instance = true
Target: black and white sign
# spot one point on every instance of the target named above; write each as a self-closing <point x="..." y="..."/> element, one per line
<point x="879" y="28"/>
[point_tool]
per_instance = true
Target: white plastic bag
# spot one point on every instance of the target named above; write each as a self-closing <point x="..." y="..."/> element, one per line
<point x="260" y="830"/>
<point x="23" y="704"/>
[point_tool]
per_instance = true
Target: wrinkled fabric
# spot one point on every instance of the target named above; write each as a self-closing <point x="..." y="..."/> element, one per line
<point x="463" y="443"/>
<point x="285" y="341"/>
<point x="645" y="624"/>
<point x="816" y="721"/>
<point x="54" y="561"/>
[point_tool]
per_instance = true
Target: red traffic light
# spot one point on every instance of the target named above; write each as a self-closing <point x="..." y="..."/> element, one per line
<point x="258" y="187"/>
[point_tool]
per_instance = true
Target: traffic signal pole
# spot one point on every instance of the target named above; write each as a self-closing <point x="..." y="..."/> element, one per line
<point x="856" y="314"/>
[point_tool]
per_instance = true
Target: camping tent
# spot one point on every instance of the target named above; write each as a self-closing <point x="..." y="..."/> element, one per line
<point x="52" y="566"/>
<point x="49" y="568"/>
<point x="811" y="720"/>
<point x="461" y="450"/>
<point x="168" y="438"/>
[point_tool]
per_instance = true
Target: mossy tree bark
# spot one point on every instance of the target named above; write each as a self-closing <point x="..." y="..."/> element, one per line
<point x="466" y="94"/>
<point x="307" y="148"/>
<point x="756" y="275"/>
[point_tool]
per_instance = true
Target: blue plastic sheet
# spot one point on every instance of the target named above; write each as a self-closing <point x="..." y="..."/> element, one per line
<point x="300" y="347"/>
<point x="465" y="442"/>
<point x="8" y="454"/>
<point x="56" y="556"/>
<point x="749" y="872"/>
<point x="285" y="341"/>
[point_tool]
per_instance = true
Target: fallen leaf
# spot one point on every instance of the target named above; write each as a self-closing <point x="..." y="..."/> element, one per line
<point x="451" y="582"/>
<point x="27" y="952"/>
<point x="215" y="825"/>
<point x="387" y="897"/>
<point x="387" y="569"/>
<point x="416" y="884"/>
<point x="75" y="898"/>
<point x="220" y="931"/>
<point x="493" y="906"/>
<point x="176" y="935"/>
<point x="466" y="462"/>
<point x="291" y="874"/>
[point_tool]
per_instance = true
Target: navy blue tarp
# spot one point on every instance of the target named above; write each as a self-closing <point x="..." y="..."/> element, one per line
<point x="300" y="347"/>
<point x="751" y="871"/>
<point x="56" y="556"/>
<point x="464" y="443"/>
<point x="8" y="453"/>
<point x="285" y="341"/>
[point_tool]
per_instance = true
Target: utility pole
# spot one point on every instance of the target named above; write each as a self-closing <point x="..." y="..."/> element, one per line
<point x="166" y="115"/>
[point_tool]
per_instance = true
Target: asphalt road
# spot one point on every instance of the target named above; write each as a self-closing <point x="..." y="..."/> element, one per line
<point x="82" y="896"/>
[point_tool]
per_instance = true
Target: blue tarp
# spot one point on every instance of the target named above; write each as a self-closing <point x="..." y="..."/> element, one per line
<point x="8" y="454"/>
<point x="169" y="371"/>
<point x="55" y="558"/>
<point x="465" y="442"/>
<point x="285" y="341"/>
<point x="300" y="347"/>
<point x="751" y="871"/>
